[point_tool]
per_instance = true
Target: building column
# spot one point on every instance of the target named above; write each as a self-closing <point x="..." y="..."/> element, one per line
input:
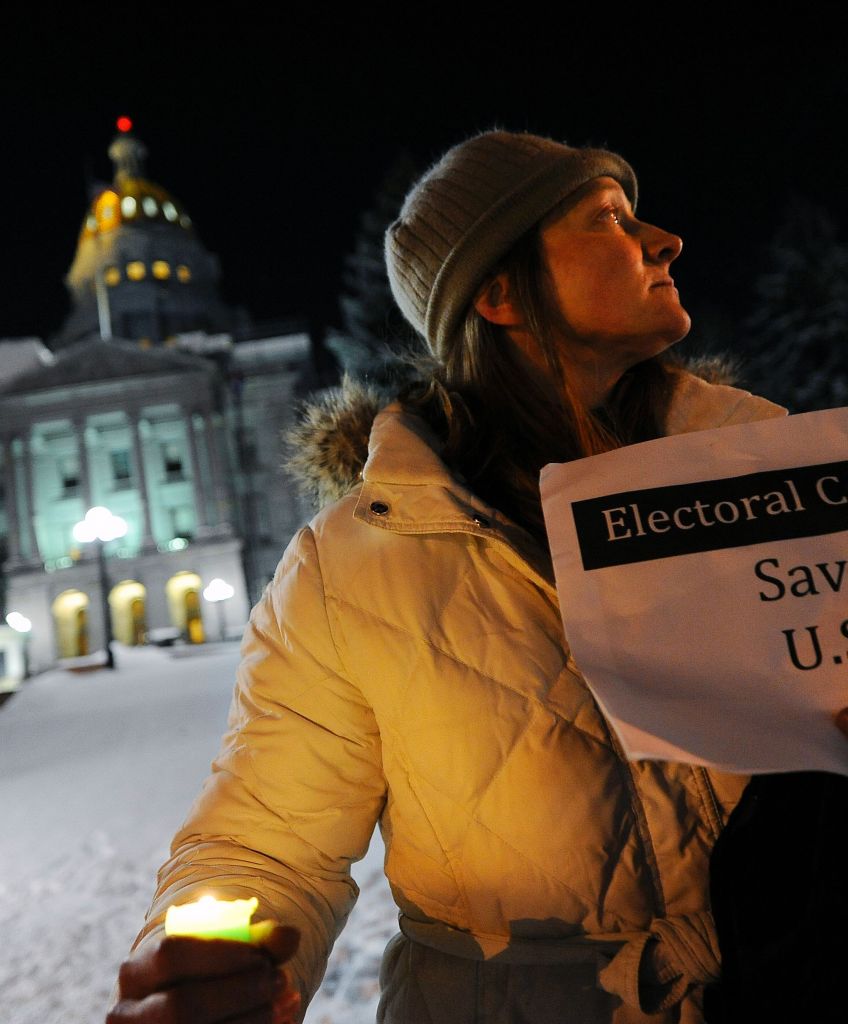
<point x="203" y="529"/>
<point x="84" y="463"/>
<point x="147" y="541"/>
<point x="11" y="503"/>
<point x="223" y="501"/>
<point x="24" y="454"/>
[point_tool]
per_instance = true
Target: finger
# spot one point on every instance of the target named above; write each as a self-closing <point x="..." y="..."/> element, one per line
<point x="180" y="957"/>
<point x="210" y="1001"/>
<point x="842" y="720"/>
<point x="282" y="943"/>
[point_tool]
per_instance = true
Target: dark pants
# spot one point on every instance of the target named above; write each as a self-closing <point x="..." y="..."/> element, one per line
<point x="779" y="890"/>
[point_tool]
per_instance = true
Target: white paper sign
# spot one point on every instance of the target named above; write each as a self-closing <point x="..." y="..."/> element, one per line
<point x="703" y="580"/>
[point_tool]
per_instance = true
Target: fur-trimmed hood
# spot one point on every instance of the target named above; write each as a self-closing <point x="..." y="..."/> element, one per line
<point x="328" y="447"/>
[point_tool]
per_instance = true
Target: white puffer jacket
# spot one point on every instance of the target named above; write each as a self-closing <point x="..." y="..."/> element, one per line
<point x="407" y="665"/>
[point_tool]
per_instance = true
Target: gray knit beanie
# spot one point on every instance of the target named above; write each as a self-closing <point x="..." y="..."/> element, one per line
<point x="469" y="209"/>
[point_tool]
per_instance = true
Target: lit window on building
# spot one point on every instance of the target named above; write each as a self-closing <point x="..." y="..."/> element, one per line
<point x="69" y="474"/>
<point x="161" y="270"/>
<point x="136" y="271"/>
<point x="128" y="206"/>
<point x="112" y="276"/>
<point x="149" y="205"/>
<point x="169" y="210"/>
<point x="183" y="273"/>
<point x="106" y="210"/>
<point x="121" y="468"/>
<point x="182" y="521"/>
<point x="172" y="458"/>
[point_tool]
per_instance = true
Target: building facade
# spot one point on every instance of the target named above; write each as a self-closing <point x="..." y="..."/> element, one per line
<point x="157" y="402"/>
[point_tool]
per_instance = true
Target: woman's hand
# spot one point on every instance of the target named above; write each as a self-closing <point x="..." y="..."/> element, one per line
<point x="842" y="720"/>
<point x="203" y="981"/>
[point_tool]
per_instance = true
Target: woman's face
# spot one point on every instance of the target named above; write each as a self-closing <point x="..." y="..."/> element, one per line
<point x="610" y="277"/>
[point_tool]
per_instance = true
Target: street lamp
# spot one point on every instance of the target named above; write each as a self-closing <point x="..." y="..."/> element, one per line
<point x="217" y="592"/>
<point x="99" y="527"/>
<point x="21" y="624"/>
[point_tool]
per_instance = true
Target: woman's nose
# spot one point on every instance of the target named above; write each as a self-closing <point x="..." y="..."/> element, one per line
<point x="661" y="246"/>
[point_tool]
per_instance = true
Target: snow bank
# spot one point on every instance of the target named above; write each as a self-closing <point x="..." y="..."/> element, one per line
<point x="96" y="771"/>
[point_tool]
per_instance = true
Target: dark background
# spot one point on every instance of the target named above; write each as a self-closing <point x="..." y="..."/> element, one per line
<point x="275" y="129"/>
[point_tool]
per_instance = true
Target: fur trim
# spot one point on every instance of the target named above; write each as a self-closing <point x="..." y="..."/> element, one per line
<point x="714" y="369"/>
<point x="328" y="446"/>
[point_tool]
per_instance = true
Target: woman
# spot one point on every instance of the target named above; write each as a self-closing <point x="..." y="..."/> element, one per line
<point x="407" y="664"/>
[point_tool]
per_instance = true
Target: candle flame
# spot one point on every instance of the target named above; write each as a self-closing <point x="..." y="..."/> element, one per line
<point x="211" y="918"/>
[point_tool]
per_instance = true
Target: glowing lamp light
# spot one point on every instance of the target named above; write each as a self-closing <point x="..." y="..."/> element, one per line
<point x="209" y="918"/>
<point x="218" y="590"/>
<point x="124" y="124"/>
<point x="99" y="524"/>
<point x="20" y="623"/>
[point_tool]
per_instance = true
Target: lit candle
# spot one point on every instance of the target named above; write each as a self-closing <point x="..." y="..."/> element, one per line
<point x="209" y="918"/>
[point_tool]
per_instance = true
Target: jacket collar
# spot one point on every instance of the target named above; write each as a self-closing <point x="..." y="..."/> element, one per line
<point x="697" y="405"/>
<point x="408" y="489"/>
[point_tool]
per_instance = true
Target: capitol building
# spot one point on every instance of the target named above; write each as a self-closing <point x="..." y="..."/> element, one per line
<point x="161" y="404"/>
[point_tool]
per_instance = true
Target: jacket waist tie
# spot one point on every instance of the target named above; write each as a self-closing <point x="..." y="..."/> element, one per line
<point x="651" y="970"/>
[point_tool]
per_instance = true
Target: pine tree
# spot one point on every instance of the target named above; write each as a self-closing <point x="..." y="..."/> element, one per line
<point x="796" y="339"/>
<point x="375" y="338"/>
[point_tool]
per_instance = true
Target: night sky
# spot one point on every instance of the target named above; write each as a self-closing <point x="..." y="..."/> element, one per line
<point x="275" y="130"/>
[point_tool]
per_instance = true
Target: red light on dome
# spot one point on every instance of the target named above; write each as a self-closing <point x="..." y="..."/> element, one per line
<point x="124" y="124"/>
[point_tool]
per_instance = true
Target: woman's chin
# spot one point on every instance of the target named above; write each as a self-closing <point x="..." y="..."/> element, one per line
<point x="678" y="328"/>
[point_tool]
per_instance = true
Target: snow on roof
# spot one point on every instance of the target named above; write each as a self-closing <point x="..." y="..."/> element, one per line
<point x="22" y="355"/>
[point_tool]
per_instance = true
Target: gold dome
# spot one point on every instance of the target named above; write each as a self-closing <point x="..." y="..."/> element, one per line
<point x="140" y="271"/>
<point x="133" y="201"/>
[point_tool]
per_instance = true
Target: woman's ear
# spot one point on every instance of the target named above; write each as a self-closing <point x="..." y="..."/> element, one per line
<point x="494" y="301"/>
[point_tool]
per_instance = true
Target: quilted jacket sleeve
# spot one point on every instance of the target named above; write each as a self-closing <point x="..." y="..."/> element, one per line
<point x="297" y="786"/>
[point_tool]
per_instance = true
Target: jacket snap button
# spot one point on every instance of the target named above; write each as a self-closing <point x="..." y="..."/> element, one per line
<point x="482" y="521"/>
<point x="379" y="508"/>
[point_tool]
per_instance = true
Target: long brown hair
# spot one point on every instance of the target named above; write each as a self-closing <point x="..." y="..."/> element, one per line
<point x="501" y="420"/>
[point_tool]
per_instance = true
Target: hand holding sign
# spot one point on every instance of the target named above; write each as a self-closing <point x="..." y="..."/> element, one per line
<point x="703" y="581"/>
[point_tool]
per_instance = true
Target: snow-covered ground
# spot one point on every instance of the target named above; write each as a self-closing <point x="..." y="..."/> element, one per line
<point x="96" y="771"/>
